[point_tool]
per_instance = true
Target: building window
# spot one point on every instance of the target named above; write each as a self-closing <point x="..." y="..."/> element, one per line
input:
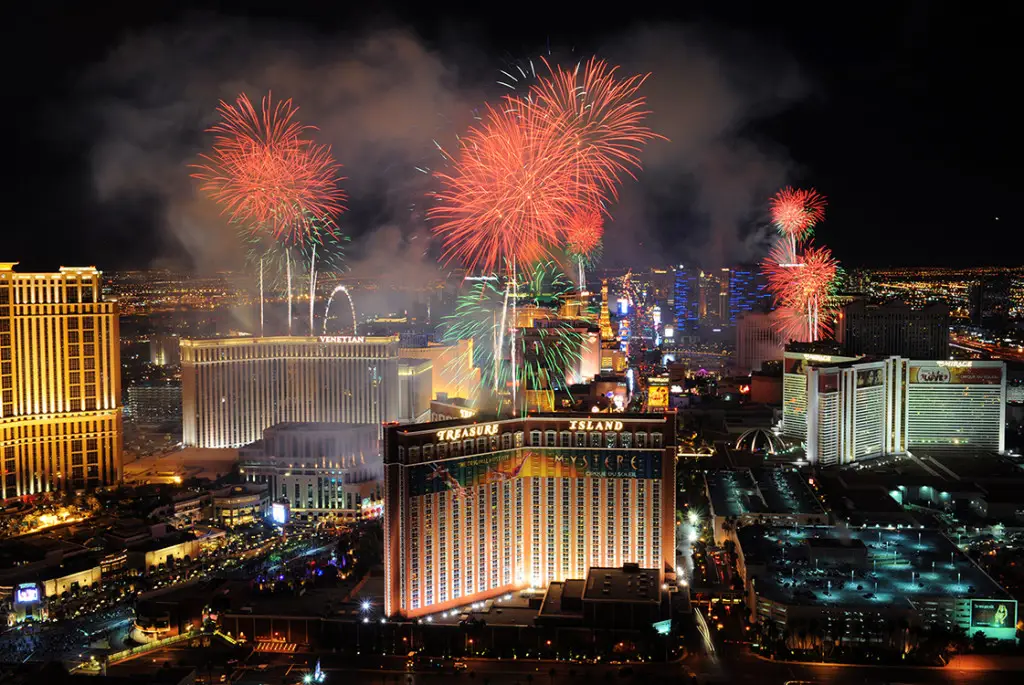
<point x="595" y="439"/>
<point x="506" y="441"/>
<point x="534" y="438"/>
<point x="519" y="439"/>
<point x="581" y="439"/>
<point x="549" y="439"/>
<point x="609" y="439"/>
<point x="428" y="451"/>
<point x="626" y="440"/>
<point x="656" y="440"/>
<point x="566" y="440"/>
<point x="641" y="440"/>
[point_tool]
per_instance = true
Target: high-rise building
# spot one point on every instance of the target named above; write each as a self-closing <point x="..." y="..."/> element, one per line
<point x="854" y="409"/>
<point x="149" y="404"/>
<point x="453" y="372"/>
<point x="414" y="389"/>
<point x="895" y="328"/>
<point x="322" y="470"/>
<point x="687" y="299"/>
<point x="60" y="382"/>
<point x="796" y="358"/>
<point x="747" y="292"/>
<point x="757" y="341"/>
<point x="475" y="509"/>
<point x="234" y="388"/>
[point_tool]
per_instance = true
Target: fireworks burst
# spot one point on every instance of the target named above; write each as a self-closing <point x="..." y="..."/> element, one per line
<point x="265" y="174"/>
<point x="583" y="234"/>
<point x="803" y="291"/>
<point x="510" y="191"/>
<point x="601" y="116"/>
<point x="795" y="212"/>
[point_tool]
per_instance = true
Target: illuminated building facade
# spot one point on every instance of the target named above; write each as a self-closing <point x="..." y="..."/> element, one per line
<point x="323" y="470"/>
<point x="234" y="388"/>
<point x="453" y="372"/>
<point x="857" y="409"/>
<point x="60" y="382"/>
<point x="475" y="509"/>
<point x="414" y="389"/>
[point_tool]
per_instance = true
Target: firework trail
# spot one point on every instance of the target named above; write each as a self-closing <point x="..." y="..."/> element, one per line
<point x="795" y="212"/>
<point x="265" y="174"/>
<point x="555" y="348"/>
<point x="602" y="116"/>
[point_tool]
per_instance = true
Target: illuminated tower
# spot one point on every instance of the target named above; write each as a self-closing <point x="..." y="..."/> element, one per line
<point x="60" y="379"/>
<point x="605" y="321"/>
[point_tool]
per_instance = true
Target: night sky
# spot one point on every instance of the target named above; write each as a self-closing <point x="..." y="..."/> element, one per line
<point x="900" y="114"/>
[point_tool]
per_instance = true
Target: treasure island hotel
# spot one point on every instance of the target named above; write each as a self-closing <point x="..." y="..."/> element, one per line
<point x="477" y="508"/>
<point x="234" y="388"/>
<point x="60" y="370"/>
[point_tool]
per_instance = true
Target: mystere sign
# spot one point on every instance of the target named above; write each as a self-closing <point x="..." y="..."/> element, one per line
<point x="506" y="465"/>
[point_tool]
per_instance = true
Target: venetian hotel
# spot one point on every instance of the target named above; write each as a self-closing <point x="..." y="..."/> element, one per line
<point x="476" y="508"/>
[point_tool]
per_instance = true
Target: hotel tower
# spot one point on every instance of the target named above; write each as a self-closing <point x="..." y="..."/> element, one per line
<point x="234" y="388"/>
<point x="474" y="509"/>
<point x="60" y="370"/>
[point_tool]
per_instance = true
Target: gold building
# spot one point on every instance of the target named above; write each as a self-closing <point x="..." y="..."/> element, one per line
<point x="60" y="379"/>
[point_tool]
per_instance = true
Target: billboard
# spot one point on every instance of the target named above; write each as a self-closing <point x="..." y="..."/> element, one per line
<point x="497" y="467"/>
<point x="794" y="365"/>
<point x="869" y="378"/>
<point x="956" y="375"/>
<point x="657" y="394"/>
<point x="27" y="593"/>
<point x="279" y="513"/>
<point x="828" y="382"/>
<point x="993" y="613"/>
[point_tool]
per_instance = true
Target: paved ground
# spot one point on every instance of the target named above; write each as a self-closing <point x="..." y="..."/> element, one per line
<point x="733" y="665"/>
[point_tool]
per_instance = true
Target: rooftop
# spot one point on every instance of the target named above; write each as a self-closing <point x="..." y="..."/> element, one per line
<point x="903" y="566"/>
<point x="626" y="584"/>
<point x="760" y="491"/>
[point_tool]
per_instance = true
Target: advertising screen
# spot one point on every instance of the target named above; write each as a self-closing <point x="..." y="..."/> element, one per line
<point x="794" y="365"/>
<point x="27" y="594"/>
<point x="956" y="375"/>
<point x="993" y="613"/>
<point x="657" y="394"/>
<point x="279" y="513"/>
<point x="498" y="467"/>
<point x="869" y="378"/>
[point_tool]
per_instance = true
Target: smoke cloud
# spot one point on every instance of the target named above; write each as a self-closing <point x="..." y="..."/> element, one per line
<point x="381" y="98"/>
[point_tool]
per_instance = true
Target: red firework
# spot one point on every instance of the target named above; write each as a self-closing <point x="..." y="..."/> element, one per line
<point x="602" y="117"/>
<point x="795" y="212"/>
<point x="583" y="234"/>
<point x="801" y="287"/>
<point x="510" y="192"/>
<point x="265" y="174"/>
